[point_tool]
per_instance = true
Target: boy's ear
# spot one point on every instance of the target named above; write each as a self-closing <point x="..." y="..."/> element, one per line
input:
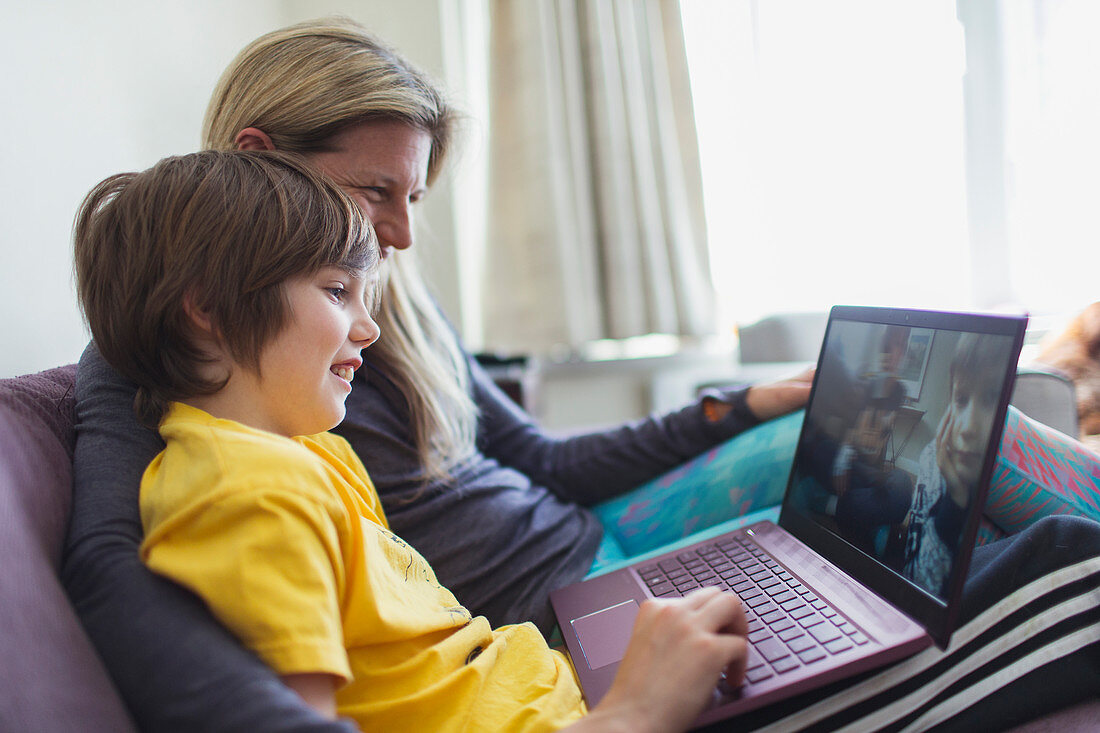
<point x="199" y="316"/>
<point x="253" y="138"/>
<point x="204" y="335"/>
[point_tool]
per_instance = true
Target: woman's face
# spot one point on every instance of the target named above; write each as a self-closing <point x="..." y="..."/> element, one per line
<point x="383" y="165"/>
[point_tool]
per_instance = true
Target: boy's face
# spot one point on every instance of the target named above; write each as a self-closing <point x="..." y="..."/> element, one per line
<point x="961" y="439"/>
<point x="306" y="371"/>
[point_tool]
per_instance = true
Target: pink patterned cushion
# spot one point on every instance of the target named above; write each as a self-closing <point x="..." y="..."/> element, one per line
<point x="1040" y="471"/>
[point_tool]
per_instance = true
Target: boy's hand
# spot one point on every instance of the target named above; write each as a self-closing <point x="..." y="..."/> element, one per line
<point x="677" y="652"/>
<point x="766" y="401"/>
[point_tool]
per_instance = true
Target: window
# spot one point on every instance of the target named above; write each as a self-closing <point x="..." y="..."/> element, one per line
<point x="1052" y="131"/>
<point x="834" y="149"/>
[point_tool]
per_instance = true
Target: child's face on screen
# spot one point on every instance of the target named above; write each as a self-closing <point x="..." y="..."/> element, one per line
<point x="305" y="372"/>
<point x="961" y="441"/>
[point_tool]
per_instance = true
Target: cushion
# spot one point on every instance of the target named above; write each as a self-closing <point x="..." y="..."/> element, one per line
<point x="1038" y="471"/>
<point x="1041" y="471"/>
<point x="51" y="676"/>
<point x="738" y="477"/>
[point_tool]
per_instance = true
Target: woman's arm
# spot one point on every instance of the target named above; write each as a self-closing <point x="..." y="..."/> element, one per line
<point x="596" y="466"/>
<point x="176" y="667"/>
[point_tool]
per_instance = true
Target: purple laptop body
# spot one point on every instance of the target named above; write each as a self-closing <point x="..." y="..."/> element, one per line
<point x="602" y="609"/>
<point x="834" y="622"/>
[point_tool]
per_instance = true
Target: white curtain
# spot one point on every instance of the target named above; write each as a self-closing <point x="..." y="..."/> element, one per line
<point x="597" y="228"/>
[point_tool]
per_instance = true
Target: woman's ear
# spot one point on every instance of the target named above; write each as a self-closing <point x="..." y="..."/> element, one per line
<point x="253" y="138"/>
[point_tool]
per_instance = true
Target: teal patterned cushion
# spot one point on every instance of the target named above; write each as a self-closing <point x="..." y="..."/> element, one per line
<point x="742" y="475"/>
<point x="1038" y="471"/>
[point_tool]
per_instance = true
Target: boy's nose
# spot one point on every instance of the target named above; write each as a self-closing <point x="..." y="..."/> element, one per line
<point x="366" y="331"/>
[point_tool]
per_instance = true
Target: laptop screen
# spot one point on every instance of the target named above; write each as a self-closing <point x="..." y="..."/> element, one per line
<point x="897" y="446"/>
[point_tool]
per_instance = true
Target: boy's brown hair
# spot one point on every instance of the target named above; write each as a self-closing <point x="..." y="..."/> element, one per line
<point x="221" y="231"/>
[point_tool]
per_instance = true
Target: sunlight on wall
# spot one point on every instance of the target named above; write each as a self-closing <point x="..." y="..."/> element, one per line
<point x="92" y="89"/>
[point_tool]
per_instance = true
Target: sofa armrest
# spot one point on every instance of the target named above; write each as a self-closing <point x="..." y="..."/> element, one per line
<point x="51" y="676"/>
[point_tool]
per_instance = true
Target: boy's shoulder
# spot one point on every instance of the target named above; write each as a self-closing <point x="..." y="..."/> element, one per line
<point x="222" y="454"/>
<point x="209" y="462"/>
<point x="330" y="447"/>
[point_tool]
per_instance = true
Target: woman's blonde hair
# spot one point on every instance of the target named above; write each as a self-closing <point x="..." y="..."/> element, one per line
<point x="302" y="85"/>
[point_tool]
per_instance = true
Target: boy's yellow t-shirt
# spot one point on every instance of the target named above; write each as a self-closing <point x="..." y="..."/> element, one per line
<point x="286" y="541"/>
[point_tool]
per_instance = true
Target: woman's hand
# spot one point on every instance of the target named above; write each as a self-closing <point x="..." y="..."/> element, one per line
<point x="677" y="652"/>
<point x="766" y="401"/>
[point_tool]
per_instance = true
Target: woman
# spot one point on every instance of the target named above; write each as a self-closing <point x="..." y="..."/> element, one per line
<point x="457" y="465"/>
<point x="466" y="477"/>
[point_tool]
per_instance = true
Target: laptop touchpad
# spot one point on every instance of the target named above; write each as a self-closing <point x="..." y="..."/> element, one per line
<point x="603" y="635"/>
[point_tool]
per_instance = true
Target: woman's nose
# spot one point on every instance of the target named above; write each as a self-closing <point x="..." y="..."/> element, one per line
<point x="394" y="226"/>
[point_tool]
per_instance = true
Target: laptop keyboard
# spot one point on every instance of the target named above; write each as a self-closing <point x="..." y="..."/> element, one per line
<point x="789" y="626"/>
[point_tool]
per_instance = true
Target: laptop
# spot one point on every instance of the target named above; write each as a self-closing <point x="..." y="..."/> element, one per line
<point x="866" y="562"/>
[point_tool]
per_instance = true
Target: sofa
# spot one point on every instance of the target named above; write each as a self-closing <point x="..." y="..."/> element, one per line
<point x="52" y="678"/>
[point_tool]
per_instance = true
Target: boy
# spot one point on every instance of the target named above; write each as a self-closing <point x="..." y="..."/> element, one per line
<point x="232" y="288"/>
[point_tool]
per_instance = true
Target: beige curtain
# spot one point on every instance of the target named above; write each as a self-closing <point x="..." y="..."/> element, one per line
<point x="596" y="228"/>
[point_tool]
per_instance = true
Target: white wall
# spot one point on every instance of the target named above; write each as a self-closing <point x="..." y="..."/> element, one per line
<point x="90" y="88"/>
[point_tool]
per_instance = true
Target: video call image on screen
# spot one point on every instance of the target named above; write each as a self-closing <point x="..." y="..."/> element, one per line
<point x="894" y="444"/>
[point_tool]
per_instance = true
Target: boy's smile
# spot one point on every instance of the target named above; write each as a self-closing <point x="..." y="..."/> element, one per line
<point x="345" y="372"/>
